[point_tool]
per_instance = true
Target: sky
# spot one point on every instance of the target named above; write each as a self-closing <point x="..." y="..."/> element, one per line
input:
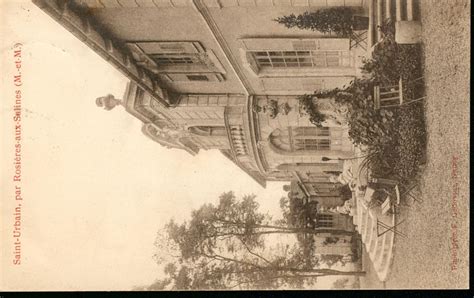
<point x="95" y="190"/>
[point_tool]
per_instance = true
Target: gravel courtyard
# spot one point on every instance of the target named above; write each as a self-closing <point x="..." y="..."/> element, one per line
<point x="436" y="252"/>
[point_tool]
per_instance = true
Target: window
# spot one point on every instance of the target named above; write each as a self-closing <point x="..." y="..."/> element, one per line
<point x="197" y="77"/>
<point x="299" y="139"/>
<point x="312" y="131"/>
<point x="175" y="58"/>
<point x="140" y="94"/>
<point x="143" y="105"/>
<point x="169" y="53"/>
<point x="312" y="138"/>
<point x="325" y="220"/>
<point x="279" y="59"/>
<point x="180" y="61"/>
<point x="310" y="144"/>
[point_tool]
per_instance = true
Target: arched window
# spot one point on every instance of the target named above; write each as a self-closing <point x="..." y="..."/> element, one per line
<point x="208" y="130"/>
<point x="281" y="139"/>
<point x="298" y="139"/>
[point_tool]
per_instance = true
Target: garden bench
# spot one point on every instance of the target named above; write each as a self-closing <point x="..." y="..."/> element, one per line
<point x="388" y="206"/>
<point x="399" y="193"/>
<point x="387" y="203"/>
<point x="392" y="95"/>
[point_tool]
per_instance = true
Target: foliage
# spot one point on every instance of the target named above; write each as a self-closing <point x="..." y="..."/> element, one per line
<point x="330" y="260"/>
<point x="230" y="218"/>
<point x="297" y="213"/>
<point x="367" y="125"/>
<point x="345" y="283"/>
<point x="308" y="104"/>
<point x="345" y="192"/>
<point x="411" y="142"/>
<point x="391" y="60"/>
<point x="331" y="240"/>
<point x="340" y="283"/>
<point x="337" y="20"/>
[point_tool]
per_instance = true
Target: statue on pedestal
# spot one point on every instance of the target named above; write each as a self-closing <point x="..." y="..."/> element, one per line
<point x="108" y="102"/>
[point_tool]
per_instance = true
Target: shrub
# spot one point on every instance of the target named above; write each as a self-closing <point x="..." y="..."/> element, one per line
<point x="337" y="20"/>
<point x="402" y="155"/>
<point x="308" y="104"/>
<point x="411" y="141"/>
<point x="395" y="138"/>
<point x="345" y="192"/>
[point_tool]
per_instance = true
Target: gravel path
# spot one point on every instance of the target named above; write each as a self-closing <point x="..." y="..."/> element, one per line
<point x="436" y="252"/>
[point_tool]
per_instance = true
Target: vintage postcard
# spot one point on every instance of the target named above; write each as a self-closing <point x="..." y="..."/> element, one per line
<point x="153" y="145"/>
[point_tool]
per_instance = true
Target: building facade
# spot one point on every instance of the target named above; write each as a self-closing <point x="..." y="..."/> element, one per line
<point x="222" y="74"/>
<point x="323" y="199"/>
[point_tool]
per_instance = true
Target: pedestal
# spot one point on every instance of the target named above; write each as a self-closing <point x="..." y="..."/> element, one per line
<point x="407" y="32"/>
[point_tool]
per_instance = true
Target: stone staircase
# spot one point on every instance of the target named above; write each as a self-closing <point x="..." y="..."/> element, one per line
<point x="402" y="11"/>
<point x="380" y="249"/>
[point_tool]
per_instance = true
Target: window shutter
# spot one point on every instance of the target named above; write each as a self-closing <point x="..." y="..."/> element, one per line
<point x="163" y="47"/>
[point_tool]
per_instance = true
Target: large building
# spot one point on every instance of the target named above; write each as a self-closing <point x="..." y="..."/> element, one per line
<point x="222" y="74"/>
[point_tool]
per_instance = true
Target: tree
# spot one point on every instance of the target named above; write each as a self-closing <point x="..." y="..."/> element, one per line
<point x="340" y="283"/>
<point x="330" y="260"/>
<point x="345" y="192"/>
<point x="299" y="213"/>
<point x="230" y="245"/>
<point x="337" y="20"/>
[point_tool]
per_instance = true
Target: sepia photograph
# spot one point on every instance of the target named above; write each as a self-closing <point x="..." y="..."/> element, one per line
<point x="184" y="145"/>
